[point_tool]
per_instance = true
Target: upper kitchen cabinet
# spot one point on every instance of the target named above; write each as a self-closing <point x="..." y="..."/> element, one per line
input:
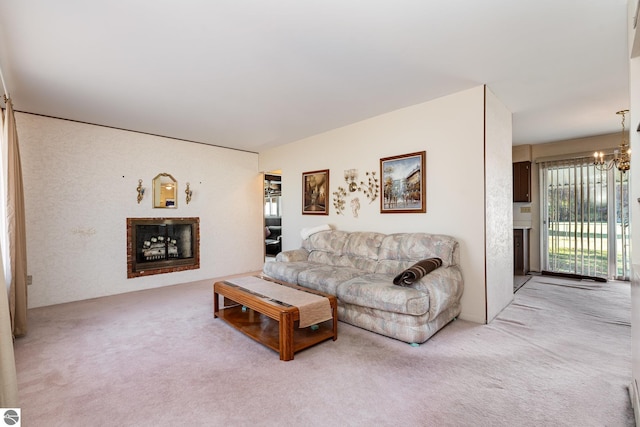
<point x="522" y="182"/>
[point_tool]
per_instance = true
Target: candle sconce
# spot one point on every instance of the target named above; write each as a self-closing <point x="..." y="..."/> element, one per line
<point x="188" y="192"/>
<point x="350" y="177"/>
<point x="371" y="189"/>
<point x="140" y="190"/>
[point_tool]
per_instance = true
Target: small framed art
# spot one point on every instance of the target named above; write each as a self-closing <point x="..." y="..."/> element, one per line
<point x="315" y="188"/>
<point x="403" y="183"/>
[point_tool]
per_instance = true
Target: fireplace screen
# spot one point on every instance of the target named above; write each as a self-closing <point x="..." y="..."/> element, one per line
<point x="162" y="245"/>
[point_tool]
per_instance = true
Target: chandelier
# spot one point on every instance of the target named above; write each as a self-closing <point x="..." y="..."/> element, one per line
<point x="621" y="156"/>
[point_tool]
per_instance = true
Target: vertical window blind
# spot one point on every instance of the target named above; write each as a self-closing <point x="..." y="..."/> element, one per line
<point x="585" y="219"/>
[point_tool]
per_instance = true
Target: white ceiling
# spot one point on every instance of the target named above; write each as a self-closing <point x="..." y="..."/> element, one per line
<point x="252" y="74"/>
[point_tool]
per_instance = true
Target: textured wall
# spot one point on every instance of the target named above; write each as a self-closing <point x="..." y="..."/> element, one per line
<point x="498" y="206"/>
<point x="80" y="186"/>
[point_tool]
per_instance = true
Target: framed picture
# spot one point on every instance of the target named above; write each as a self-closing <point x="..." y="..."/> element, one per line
<point x="403" y="183"/>
<point x="315" y="189"/>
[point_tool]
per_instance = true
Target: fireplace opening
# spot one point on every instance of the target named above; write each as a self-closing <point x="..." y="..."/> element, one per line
<point x="162" y="245"/>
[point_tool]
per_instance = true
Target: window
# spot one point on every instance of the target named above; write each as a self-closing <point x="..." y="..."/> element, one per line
<point x="272" y="206"/>
<point x="585" y="218"/>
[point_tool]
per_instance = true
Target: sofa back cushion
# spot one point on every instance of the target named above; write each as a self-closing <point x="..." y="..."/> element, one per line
<point x="418" y="246"/>
<point x="358" y="263"/>
<point x="379" y="253"/>
<point x="363" y="244"/>
<point x="392" y="267"/>
<point x="327" y="258"/>
<point x="327" y="241"/>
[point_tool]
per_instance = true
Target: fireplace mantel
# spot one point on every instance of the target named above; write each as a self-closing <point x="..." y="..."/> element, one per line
<point x="162" y="245"/>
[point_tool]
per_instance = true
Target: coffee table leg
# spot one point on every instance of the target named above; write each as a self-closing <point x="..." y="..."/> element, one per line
<point x="334" y="308"/>
<point x="215" y="303"/>
<point x="286" y="336"/>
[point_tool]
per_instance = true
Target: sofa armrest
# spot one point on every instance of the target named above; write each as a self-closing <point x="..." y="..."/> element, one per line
<point x="293" y="255"/>
<point x="444" y="286"/>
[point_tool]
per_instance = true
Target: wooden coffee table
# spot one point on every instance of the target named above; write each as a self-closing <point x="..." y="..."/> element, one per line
<point x="272" y="323"/>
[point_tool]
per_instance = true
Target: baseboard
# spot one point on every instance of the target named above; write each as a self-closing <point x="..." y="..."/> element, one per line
<point x="572" y="276"/>
<point x="635" y="400"/>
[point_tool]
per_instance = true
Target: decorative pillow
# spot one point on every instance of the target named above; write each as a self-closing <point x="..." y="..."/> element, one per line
<point x="417" y="271"/>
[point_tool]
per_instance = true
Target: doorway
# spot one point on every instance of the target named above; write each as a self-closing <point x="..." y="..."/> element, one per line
<point x="272" y="214"/>
<point x="585" y="219"/>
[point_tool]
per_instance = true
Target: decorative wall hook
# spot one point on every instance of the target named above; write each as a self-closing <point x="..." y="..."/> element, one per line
<point x="140" y="191"/>
<point x="188" y="192"/>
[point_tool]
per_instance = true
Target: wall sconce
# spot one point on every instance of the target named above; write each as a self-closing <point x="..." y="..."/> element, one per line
<point x="350" y="177"/>
<point x="140" y="191"/>
<point x="188" y="192"/>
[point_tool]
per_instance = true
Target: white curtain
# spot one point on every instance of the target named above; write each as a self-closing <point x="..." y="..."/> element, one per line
<point x="4" y="225"/>
<point x="8" y="378"/>
<point x="16" y="226"/>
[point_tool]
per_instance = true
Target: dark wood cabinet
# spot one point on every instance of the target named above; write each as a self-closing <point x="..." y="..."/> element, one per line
<point x="520" y="251"/>
<point x="522" y="182"/>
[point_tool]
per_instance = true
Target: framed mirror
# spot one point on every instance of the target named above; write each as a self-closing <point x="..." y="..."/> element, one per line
<point x="165" y="191"/>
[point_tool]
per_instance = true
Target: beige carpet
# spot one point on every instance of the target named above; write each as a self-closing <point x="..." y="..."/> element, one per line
<point x="558" y="356"/>
<point x="519" y="281"/>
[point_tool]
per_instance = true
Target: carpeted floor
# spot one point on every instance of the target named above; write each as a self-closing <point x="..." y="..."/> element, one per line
<point x="559" y="355"/>
<point x="519" y="281"/>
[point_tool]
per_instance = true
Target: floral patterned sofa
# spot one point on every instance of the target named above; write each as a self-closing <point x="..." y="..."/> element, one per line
<point x="359" y="268"/>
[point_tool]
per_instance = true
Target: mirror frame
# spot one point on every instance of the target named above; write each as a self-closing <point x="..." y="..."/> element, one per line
<point x="157" y="191"/>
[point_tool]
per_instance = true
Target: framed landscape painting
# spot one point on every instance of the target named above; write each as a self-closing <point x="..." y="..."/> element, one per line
<point x="403" y="183"/>
<point x="315" y="188"/>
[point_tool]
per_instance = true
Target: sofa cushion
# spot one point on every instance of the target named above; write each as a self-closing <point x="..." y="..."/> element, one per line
<point x="417" y="246"/>
<point x="293" y="255"/>
<point x="327" y="241"/>
<point x="378" y="291"/>
<point x="392" y="267"/>
<point x="365" y="265"/>
<point x="327" y="258"/>
<point x="363" y="244"/>
<point x="306" y="232"/>
<point x="326" y="278"/>
<point x="287" y="271"/>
